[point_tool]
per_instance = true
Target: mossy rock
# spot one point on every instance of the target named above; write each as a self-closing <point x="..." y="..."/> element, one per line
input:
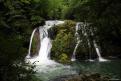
<point x="64" y="42"/>
<point x="63" y="58"/>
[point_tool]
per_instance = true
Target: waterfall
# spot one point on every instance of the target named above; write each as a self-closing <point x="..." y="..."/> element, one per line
<point x="46" y="45"/>
<point x="32" y="35"/>
<point x="84" y="31"/>
<point x="44" y="66"/>
<point x="73" y="58"/>
<point x="83" y="26"/>
<point x="86" y="34"/>
<point x="100" y="58"/>
<point x="90" y="55"/>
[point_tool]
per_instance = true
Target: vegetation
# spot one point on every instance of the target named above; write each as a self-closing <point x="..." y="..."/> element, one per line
<point x="105" y="18"/>
<point x="65" y="38"/>
<point x="19" y="17"/>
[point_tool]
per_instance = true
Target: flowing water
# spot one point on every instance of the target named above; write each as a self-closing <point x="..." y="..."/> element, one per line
<point x="100" y="58"/>
<point x="47" y="69"/>
<point x="29" y="51"/>
<point x="45" y="46"/>
<point x="85" y="31"/>
<point x="73" y="58"/>
<point x="107" y="68"/>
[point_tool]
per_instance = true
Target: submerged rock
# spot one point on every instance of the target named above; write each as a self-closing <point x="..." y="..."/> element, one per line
<point x="83" y="77"/>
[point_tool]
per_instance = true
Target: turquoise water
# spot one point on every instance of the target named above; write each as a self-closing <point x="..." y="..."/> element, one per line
<point x="49" y="72"/>
<point x="109" y="68"/>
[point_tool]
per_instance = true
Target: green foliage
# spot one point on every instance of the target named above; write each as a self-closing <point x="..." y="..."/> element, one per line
<point x="16" y="25"/>
<point x="17" y="20"/>
<point x="26" y="1"/>
<point x="63" y="58"/>
<point x="36" y="19"/>
<point x="105" y="18"/>
<point x="57" y="8"/>
<point x="63" y="44"/>
<point x="16" y="72"/>
<point x="19" y="17"/>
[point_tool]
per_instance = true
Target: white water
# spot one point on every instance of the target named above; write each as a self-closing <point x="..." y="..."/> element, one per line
<point x="43" y="57"/>
<point x="45" y="46"/>
<point x="50" y="23"/>
<point x="46" y="68"/>
<point x="85" y="33"/>
<point x="90" y="54"/>
<point x="100" y="58"/>
<point x="78" y="42"/>
<point x="32" y="35"/>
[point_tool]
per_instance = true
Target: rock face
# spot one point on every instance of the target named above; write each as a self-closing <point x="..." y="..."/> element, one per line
<point x="83" y="77"/>
<point x="35" y="44"/>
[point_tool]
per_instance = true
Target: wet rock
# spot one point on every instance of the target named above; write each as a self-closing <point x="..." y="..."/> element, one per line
<point x="35" y="44"/>
<point x="83" y="77"/>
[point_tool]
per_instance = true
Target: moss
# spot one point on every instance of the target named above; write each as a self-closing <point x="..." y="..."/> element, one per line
<point x="63" y="58"/>
<point x="64" y="43"/>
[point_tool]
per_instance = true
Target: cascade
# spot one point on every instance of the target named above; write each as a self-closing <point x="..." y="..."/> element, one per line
<point x="73" y="58"/>
<point x="85" y="33"/>
<point x="44" y="66"/>
<point x="32" y="35"/>
<point x="46" y="45"/>
<point x="100" y="58"/>
<point x="90" y="55"/>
